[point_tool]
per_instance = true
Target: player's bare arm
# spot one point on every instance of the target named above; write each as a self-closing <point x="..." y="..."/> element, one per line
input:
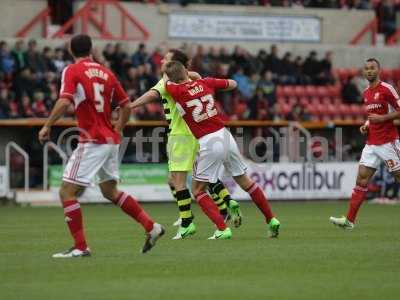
<point x="58" y="111"/>
<point x="364" y="128"/>
<point x="375" y="118"/>
<point x="149" y="96"/>
<point x="232" y="84"/>
<point x="124" y="114"/>
<point x="194" y="75"/>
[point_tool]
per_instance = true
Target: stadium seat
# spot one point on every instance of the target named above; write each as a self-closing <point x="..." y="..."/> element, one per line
<point x="326" y="101"/>
<point x="386" y="74"/>
<point x="281" y="100"/>
<point x="279" y="91"/>
<point x="315" y="101"/>
<point x="300" y="91"/>
<point x="337" y="100"/>
<point x="285" y="108"/>
<point x="288" y="91"/>
<point x="322" y="91"/>
<point x="311" y="91"/>
<point x="334" y="90"/>
<point x="304" y="101"/>
<point x="292" y="101"/>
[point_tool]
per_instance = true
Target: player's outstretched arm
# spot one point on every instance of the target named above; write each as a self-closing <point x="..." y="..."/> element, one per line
<point x="232" y="84"/>
<point x="147" y="97"/>
<point x="59" y="110"/>
<point x="194" y="75"/>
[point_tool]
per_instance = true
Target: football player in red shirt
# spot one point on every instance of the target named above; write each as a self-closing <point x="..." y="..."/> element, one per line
<point x="382" y="105"/>
<point x="195" y="101"/>
<point x="91" y="88"/>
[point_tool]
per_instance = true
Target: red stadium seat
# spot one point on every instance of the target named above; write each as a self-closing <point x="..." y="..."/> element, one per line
<point x="281" y="100"/>
<point x="300" y="91"/>
<point x="311" y="91"/>
<point x="304" y="101"/>
<point x="386" y="74"/>
<point x="322" y="91"/>
<point x="334" y="90"/>
<point x="337" y="101"/>
<point x="279" y="91"/>
<point x="292" y="101"/>
<point x="285" y="109"/>
<point x="315" y="100"/>
<point x="326" y="101"/>
<point x="288" y="91"/>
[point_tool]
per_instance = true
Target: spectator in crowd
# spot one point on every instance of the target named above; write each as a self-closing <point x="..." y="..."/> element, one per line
<point x="24" y="83"/>
<point x="287" y="70"/>
<point x="243" y="83"/>
<point x="268" y="88"/>
<point x="325" y="75"/>
<point x="59" y="61"/>
<point x="272" y="62"/>
<point x="6" y="59"/>
<point x="311" y="67"/>
<point x="386" y="12"/>
<point x="298" y="114"/>
<point x="156" y="58"/>
<point x="350" y="92"/>
<point x="140" y="56"/>
<point x="33" y="58"/>
<point x="18" y="55"/>
<point x="120" y="60"/>
<point x="48" y="60"/>
<point x="4" y="103"/>
<point x="360" y="82"/>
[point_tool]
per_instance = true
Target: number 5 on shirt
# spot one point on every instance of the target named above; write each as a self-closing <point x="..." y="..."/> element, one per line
<point x="98" y="96"/>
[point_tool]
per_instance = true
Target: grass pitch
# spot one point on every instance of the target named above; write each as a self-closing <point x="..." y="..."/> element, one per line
<point x="310" y="260"/>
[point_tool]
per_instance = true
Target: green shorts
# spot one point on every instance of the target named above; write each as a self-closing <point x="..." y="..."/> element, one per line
<point x="181" y="151"/>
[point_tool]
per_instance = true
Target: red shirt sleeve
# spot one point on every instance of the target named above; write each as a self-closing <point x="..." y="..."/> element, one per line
<point x="68" y="84"/>
<point x="392" y="97"/>
<point x="215" y="83"/>
<point x="120" y="95"/>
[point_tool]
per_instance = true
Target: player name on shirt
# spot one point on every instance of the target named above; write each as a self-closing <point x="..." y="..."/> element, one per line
<point x="196" y="90"/>
<point x="94" y="72"/>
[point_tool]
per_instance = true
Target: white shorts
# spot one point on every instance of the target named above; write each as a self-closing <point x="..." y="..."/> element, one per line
<point x="218" y="150"/>
<point x="89" y="160"/>
<point x="373" y="155"/>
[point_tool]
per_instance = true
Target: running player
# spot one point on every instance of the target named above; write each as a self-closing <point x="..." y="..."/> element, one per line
<point x="195" y="102"/>
<point x="382" y="104"/>
<point x="91" y="87"/>
<point x="182" y="147"/>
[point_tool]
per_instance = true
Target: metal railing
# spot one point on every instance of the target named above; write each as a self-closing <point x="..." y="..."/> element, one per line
<point x="60" y="152"/>
<point x="22" y="152"/>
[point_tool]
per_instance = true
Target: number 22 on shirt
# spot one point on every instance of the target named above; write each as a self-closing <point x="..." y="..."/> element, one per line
<point x="198" y="113"/>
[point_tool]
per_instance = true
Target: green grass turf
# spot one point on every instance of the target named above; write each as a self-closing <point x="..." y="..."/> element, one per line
<point x="310" y="260"/>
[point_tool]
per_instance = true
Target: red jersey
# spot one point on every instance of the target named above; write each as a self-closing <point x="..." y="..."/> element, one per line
<point x="91" y="87"/>
<point x="381" y="100"/>
<point x="195" y="101"/>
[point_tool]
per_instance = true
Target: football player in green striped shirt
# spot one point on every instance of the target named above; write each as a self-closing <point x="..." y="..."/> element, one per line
<point x="182" y="148"/>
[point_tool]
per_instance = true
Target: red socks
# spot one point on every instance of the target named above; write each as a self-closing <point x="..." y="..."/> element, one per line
<point x="73" y="217"/>
<point x="357" y="198"/>
<point x="132" y="208"/>
<point x="210" y="209"/>
<point x="259" y="198"/>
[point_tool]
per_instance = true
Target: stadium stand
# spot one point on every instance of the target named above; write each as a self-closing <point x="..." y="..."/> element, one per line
<point x="29" y="80"/>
